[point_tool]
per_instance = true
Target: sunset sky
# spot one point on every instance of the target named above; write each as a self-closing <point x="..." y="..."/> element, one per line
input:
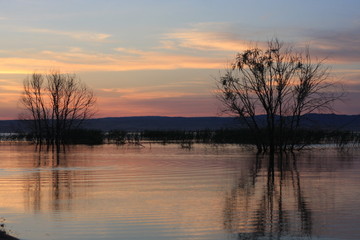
<point x="160" y="57"/>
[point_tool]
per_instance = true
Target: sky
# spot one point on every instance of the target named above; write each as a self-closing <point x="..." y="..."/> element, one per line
<point x="160" y="57"/>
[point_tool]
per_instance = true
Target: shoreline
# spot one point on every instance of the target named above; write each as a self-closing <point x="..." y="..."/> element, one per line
<point x="5" y="236"/>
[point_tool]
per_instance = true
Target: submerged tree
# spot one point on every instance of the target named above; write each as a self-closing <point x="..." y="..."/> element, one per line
<point x="282" y="84"/>
<point x="54" y="104"/>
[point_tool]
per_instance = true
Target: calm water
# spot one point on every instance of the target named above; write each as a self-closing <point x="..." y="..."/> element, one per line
<point x="165" y="192"/>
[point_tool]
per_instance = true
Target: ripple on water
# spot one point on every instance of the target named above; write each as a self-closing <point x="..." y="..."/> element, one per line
<point x="110" y="192"/>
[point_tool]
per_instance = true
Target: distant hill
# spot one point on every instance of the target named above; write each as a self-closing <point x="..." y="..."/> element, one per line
<point x="317" y="121"/>
<point x="332" y="122"/>
<point x="9" y="126"/>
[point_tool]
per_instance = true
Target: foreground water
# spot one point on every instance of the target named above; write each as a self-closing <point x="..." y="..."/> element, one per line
<point x="165" y="192"/>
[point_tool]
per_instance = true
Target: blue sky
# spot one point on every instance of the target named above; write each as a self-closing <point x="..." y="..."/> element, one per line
<point x="161" y="57"/>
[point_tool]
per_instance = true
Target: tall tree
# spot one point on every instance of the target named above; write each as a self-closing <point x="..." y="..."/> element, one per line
<point x="279" y="82"/>
<point x="55" y="103"/>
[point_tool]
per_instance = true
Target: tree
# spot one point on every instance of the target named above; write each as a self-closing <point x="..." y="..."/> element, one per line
<point x="282" y="84"/>
<point x="55" y="103"/>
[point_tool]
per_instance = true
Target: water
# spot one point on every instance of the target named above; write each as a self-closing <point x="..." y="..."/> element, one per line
<point x="165" y="192"/>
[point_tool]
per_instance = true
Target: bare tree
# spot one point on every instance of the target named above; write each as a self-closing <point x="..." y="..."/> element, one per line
<point x="279" y="82"/>
<point x="55" y="103"/>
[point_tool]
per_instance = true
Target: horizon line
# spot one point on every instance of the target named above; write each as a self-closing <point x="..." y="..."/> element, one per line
<point x="149" y="116"/>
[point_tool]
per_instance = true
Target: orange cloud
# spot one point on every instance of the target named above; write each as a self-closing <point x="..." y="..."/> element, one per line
<point x="206" y="41"/>
<point x="147" y="93"/>
<point x="8" y="85"/>
<point x="75" y="61"/>
<point x="156" y="95"/>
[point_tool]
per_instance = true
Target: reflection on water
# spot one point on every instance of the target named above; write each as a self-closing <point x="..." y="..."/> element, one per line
<point x="166" y="192"/>
<point x="270" y="202"/>
<point x="56" y="184"/>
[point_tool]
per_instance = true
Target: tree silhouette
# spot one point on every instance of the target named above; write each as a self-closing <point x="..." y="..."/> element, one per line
<point x="279" y="82"/>
<point x="55" y="103"/>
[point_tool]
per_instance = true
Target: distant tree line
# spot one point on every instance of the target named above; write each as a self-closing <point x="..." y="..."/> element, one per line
<point x="303" y="137"/>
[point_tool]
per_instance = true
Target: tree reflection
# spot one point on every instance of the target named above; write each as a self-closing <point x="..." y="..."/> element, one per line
<point x="268" y="203"/>
<point x="50" y="182"/>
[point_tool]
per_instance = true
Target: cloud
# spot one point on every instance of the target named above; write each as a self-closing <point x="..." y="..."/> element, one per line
<point x="163" y="90"/>
<point x="9" y="86"/>
<point x="132" y="94"/>
<point x="82" y="36"/>
<point x="348" y="79"/>
<point x="341" y="46"/>
<point x="211" y="36"/>
<point x="204" y="41"/>
<point x="338" y="46"/>
<point x="125" y="60"/>
<point x="201" y="46"/>
<point x="131" y="51"/>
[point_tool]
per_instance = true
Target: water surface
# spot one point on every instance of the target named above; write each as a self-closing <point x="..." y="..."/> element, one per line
<point x="165" y="192"/>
